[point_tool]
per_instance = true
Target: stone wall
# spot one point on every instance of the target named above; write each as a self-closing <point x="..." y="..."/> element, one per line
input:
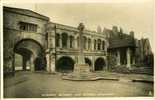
<point x="12" y="34"/>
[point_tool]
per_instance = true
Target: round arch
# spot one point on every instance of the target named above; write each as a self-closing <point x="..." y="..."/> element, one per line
<point x="29" y="48"/>
<point x="28" y="39"/>
<point x="65" y="64"/>
<point x="88" y="61"/>
<point x="99" y="64"/>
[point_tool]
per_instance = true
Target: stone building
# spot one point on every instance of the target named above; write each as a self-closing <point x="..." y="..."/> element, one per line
<point x="24" y="34"/>
<point x="144" y="53"/>
<point x="34" y="43"/>
<point x="121" y="50"/>
<point x="125" y="50"/>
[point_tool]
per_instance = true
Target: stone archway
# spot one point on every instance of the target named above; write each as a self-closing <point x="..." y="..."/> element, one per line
<point x="32" y="54"/>
<point x="88" y="61"/>
<point x="65" y="64"/>
<point x="99" y="64"/>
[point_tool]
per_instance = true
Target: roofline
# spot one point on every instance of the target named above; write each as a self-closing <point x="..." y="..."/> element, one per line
<point x="73" y="27"/>
<point x="22" y="13"/>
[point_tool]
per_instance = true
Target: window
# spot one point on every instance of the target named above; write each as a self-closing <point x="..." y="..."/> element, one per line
<point x="28" y="27"/>
<point x="89" y="43"/>
<point x="78" y="41"/>
<point x="94" y="44"/>
<point x="99" y="44"/>
<point x="64" y="40"/>
<point x="71" y="41"/>
<point x="103" y="45"/>
<point x="57" y="40"/>
<point x="84" y="42"/>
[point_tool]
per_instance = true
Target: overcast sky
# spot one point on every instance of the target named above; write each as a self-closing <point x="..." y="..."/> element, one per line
<point x="129" y="16"/>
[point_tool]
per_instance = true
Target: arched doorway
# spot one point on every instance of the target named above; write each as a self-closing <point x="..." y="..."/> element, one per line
<point x="65" y="64"/>
<point x="99" y="64"/>
<point x="88" y="61"/>
<point x="32" y="55"/>
<point x="39" y="63"/>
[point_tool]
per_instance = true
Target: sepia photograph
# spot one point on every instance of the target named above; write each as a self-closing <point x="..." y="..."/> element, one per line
<point x="61" y="50"/>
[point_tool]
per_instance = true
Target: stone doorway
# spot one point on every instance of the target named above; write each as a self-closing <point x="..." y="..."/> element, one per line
<point x="99" y="64"/>
<point x="65" y="64"/>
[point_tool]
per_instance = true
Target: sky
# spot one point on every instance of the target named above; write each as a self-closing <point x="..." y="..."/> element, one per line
<point x="130" y="16"/>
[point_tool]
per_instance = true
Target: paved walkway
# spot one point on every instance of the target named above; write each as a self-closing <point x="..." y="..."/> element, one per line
<point x="42" y="84"/>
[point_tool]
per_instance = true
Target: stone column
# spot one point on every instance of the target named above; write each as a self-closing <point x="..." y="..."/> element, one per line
<point x="86" y="43"/>
<point x="68" y="43"/>
<point x="75" y="43"/>
<point x="101" y="46"/>
<point x="28" y="64"/>
<point x="93" y="61"/>
<point x="32" y="63"/>
<point x="24" y="63"/>
<point x="52" y="65"/>
<point x="128" y="58"/>
<point x="96" y="45"/>
<point x="133" y="59"/>
<point x="12" y="63"/>
<point x="60" y="41"/>
<point x="118" y="57"/>
<point x="48" y="62"/>
<point x="92" y="44"/>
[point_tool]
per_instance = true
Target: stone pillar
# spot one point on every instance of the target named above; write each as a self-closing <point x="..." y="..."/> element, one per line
<point x="75" y="43"/>
<point x="60" y="41"/>
<point x="128" y="58"/>
<point x="52" y="65"/>
<point x="93" y="62"/>
<point x="87" y="44"/>
<point x="68" y="43"/>
<point x="118" y="57"/>
<point x="96" y="45"/>
<point x="24" y="63"/>
<point x="133" y="59"/>
<point x="32" y="63"/>
<point x="48" y="62"/>
<point x="92" y="45"/>
<point x="28" y="64"/>
<point x="13" y="64"/>
<point x="101" y="46"/>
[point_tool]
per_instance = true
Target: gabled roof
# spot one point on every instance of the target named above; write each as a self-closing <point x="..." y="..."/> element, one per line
<point x="121" y="41"/>
<point x="25" y="12"/>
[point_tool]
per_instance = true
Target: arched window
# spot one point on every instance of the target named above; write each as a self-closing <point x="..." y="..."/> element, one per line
<point x="84" y="42"/>
<point x="64" y="40"/>
<point x="78" y="41"/>
<point x="89" y="43"/>
<point x="103" y="45"/>
<point x="71" y="41"/>
<point x="57" y="40"/>
<point x="94" y="44"/>
<point x="99" y="44"/>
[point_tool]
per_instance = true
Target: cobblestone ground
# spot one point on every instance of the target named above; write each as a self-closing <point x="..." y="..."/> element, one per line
<point x="41" y="84"/>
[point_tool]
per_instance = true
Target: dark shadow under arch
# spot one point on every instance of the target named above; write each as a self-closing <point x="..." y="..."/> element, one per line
<point x="65" y="64"/>
<point x="99" y="64"/>
<point x="25" y="48"/>
<point x="88" y="61"/>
